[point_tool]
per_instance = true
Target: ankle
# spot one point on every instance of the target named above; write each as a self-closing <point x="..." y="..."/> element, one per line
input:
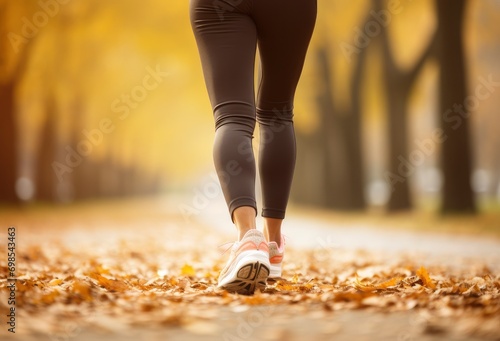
<point x="276" y="239"/>
<point x="273" y="235"/>
<point x="244" y="219"/>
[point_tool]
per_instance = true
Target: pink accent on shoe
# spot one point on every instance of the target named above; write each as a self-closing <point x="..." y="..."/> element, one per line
<point x="276" y="255"/>
<point x="276" y="259"/>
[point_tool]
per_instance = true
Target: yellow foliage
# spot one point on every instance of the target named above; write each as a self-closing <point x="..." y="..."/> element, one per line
<point x="92" y="53"/>
<point x="187" y="270"/>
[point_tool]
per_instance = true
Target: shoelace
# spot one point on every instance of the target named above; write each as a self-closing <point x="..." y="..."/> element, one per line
<point x="285" y="237"/>
<point x="227" y="246"/>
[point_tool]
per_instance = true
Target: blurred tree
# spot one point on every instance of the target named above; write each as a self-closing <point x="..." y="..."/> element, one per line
<point x="340" y="131"/>
<point x="337" y="180"/>
<point x="112" y="184"/>
<point x="8" y="138"/>
<point x="54" y="180"/>
<point x="45" y="176"/>
<point x="14" y="54"/>
<point x="83" y="173"/>
<point x="353" y="135"/>
<point x="330" y="142"/>
<point x="456" y="149"/>
<point x="308" y="186"/>
<point x="398" y="83"/>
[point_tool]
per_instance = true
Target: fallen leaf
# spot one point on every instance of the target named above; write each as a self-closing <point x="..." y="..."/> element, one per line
<point x="82" y="289"/>
<point x="424" y="276"/>
<point x="55" y="281"/>
<point x="109" y="284"/>
<point x="372" y="287"/>
<point x="187" y="270"/>
<point x="49" y="298"/>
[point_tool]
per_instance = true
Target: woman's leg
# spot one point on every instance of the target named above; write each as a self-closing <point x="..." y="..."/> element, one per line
<point x="284" y="31"/>
<point x="227" y="40"/>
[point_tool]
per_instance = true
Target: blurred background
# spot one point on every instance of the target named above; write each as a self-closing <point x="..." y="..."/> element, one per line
<point x="397" y="108"/>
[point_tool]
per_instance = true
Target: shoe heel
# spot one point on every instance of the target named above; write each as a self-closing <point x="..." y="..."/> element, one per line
<point x="250" y="272"/>
<point x="275" y="271"/>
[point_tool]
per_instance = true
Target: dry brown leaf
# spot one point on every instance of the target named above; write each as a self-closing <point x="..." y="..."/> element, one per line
<point x="424" y="276"/>
<point x="50" y="297"/>
<point x="473" y="291"/>
<point x="82" y="289"/>
<point x="55" y="281"/>
<point x="350" y="296"/>
<point x="372" y="287"/>
<point x="109" y="284"/>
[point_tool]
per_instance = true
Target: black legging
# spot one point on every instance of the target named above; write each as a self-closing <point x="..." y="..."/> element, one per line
<point x="227" y="33"/>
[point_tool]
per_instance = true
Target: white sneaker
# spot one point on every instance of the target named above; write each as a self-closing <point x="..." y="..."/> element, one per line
<point x="248" y="265"/>
<point x="276" y="255"/>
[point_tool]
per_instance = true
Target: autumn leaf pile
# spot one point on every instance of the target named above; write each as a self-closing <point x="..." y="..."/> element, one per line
<point x="110" y="269"/>
<point x="135" y="283"/>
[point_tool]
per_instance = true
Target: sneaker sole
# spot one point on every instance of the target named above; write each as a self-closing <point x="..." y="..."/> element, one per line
<point x="249" y="272"/>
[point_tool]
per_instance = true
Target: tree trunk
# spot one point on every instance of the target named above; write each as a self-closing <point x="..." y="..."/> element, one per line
<point x="398" y="86"/>
<point x="330" y="140"/>
<point x="84" y="171"/>
<point x="355" y="152"/>
<point x="340" y="131"/>
<point x="8" y="145"/>
<point x="9" y="132"/>
<point x="456" y="149"/>
<point x="308" y="185"/>
<point x="45" y="176"/>
<point x="400" y="198"/>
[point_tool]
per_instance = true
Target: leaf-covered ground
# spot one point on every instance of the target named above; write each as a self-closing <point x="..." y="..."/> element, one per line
<point x="121" y="272"/>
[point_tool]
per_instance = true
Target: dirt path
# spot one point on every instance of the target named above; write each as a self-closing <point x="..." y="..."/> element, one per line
<point x="141" y="271"/>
